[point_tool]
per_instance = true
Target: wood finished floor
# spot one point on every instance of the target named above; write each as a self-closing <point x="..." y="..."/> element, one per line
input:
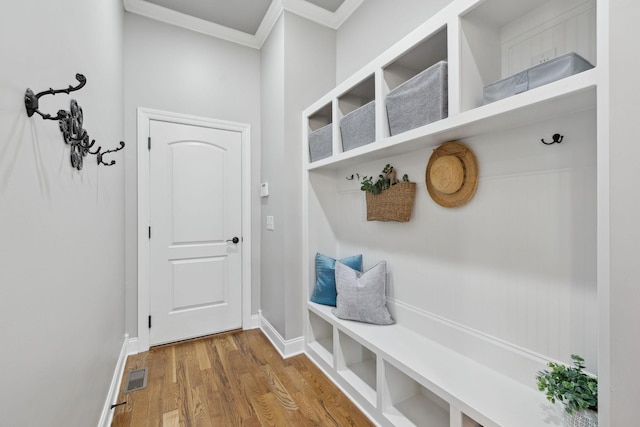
<point x="232" y="379"/>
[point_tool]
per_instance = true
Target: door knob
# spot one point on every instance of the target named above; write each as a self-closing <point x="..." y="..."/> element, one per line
<point x="234" y="240"/>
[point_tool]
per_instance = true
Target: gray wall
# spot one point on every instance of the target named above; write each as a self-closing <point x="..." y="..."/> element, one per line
<point x="172" y="69"/>
<point x="309" y="66"/>
<point x="272" y="107"/>
<point x="298" y="66"/>
<point x="61" y="230"/>
<point x="376" y="26"/>
<point x="625" y="211"/>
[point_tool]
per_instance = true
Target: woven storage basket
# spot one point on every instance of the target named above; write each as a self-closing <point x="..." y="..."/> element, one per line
<point x="394" y="204"/>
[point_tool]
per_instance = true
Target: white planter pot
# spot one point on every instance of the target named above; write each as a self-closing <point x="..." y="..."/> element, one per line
<point x="585" y="418"/>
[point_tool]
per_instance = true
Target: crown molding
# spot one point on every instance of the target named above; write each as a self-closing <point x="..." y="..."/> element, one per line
<point x="269" y="20"/>
<point x="322" y="16"/>
<point x="299" y="7"/>
<point x="169" y="16"/>
<point x="345" y="10"/>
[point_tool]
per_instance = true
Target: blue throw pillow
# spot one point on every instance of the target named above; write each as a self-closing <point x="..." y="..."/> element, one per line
<point x="325" y="290"/>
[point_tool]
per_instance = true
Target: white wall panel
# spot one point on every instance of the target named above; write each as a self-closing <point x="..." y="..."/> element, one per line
<point x="518" y="261"/>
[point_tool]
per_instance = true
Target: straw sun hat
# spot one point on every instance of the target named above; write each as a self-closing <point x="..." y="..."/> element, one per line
<point x="452" y="174"/>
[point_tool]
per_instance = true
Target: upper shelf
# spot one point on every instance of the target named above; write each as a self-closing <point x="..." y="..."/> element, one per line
<point x="482" y="41"/>
<point x="572" y="94"/>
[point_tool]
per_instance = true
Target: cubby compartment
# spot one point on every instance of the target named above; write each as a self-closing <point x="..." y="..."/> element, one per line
<point x="503" y="39"/>
<point x="416" y="85"/>
<point x="356" y="108"/>
<point x="321" y="337"/>
<point x="320" y="128"/>
<point x="469" y="422"/>
<point x="357" y="366"/>
<point x="409" y="403"/>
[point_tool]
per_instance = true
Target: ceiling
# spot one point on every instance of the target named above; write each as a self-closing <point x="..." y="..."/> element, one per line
<point x="247" y="22"/>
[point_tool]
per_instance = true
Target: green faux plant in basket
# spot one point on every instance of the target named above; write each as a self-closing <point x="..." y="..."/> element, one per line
<point x="388" y="199"/>
<point x="384" y="181"/>
<point x="569" y="385"/>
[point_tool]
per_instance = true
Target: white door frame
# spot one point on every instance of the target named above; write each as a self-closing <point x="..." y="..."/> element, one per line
<point x="145" y="115"/>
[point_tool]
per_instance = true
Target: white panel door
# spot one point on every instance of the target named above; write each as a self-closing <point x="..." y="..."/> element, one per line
<point x="195" y="213"/>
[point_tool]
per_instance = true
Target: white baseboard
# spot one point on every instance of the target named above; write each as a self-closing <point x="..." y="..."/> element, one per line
<point x="254" y="322"/>
<point x="286" y="348"/>
<point x="132" y="347"/>
<point x="107" y="413"/>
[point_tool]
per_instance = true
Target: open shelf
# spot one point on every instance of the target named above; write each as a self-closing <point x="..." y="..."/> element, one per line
<point x="320" y="337"/>
<point x="500" y="38"/>
<point x="320" y="133"/>
<point x="417" y="59"/>
<point x="408" y="403"/>
<point x="469" y="422"/>
<point x="572" y="94"/>
<point x="321" y="118"/>
<point x="357" y="365"/>
<point x="356" y="115"/>
<point x="361" y="94"/>
<point x="415" y="86"/>
<point x="497" y="38"/>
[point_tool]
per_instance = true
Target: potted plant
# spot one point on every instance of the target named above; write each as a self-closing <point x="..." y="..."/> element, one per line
<point x="574" y="388"/>
<point x="388" y="199"/>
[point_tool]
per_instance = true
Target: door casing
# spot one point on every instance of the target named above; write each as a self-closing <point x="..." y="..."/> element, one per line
<point x="145" y="115"/>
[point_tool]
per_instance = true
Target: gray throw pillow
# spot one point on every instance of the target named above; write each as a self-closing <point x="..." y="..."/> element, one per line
<point x="361" y="296"/>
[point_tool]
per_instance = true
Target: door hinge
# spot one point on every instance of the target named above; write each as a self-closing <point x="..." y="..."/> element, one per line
<point x="149" y="143"/>
<point x="149" y="321"/>
<point x="149" y="231"/>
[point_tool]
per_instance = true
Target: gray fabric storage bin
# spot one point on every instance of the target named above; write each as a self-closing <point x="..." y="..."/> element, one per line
<point x="536" y="76"/>
<point x="359" y="127"/>
<point x="321" y="143"/>
<point x="421" y="100"/>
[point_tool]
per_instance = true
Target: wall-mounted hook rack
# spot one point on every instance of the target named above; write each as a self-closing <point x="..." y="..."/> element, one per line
<point x="555" y="139"/>
<point x="31" y="100"/>
<point x="70" y="123"/>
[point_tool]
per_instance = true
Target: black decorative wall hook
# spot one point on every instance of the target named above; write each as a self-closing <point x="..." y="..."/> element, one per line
<point x="70" y="123"/>
<point x="556" y="139"/>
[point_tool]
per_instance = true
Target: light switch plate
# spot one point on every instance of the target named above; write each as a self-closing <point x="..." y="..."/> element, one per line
<point x="270" y="223"/>
<point x="264" y="189"/>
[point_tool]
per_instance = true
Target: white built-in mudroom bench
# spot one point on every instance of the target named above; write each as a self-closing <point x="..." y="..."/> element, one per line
<point x="484" y="294"/>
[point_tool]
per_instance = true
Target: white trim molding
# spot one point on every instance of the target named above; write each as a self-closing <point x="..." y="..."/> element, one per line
<point x="162" y="14"/>
<point x="322" y="16"/>
<point x="107" y="412"/>
<point x="286" y="348"/>
<point x="254" y="322"/>
<point x="132" y="347"/>
<point x="145" y="115"/>
<point x="268" y="22"/>
<point x="301" y="8"/>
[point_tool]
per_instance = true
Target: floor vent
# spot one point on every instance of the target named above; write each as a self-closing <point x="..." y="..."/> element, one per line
<point x="136" y="380"/>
